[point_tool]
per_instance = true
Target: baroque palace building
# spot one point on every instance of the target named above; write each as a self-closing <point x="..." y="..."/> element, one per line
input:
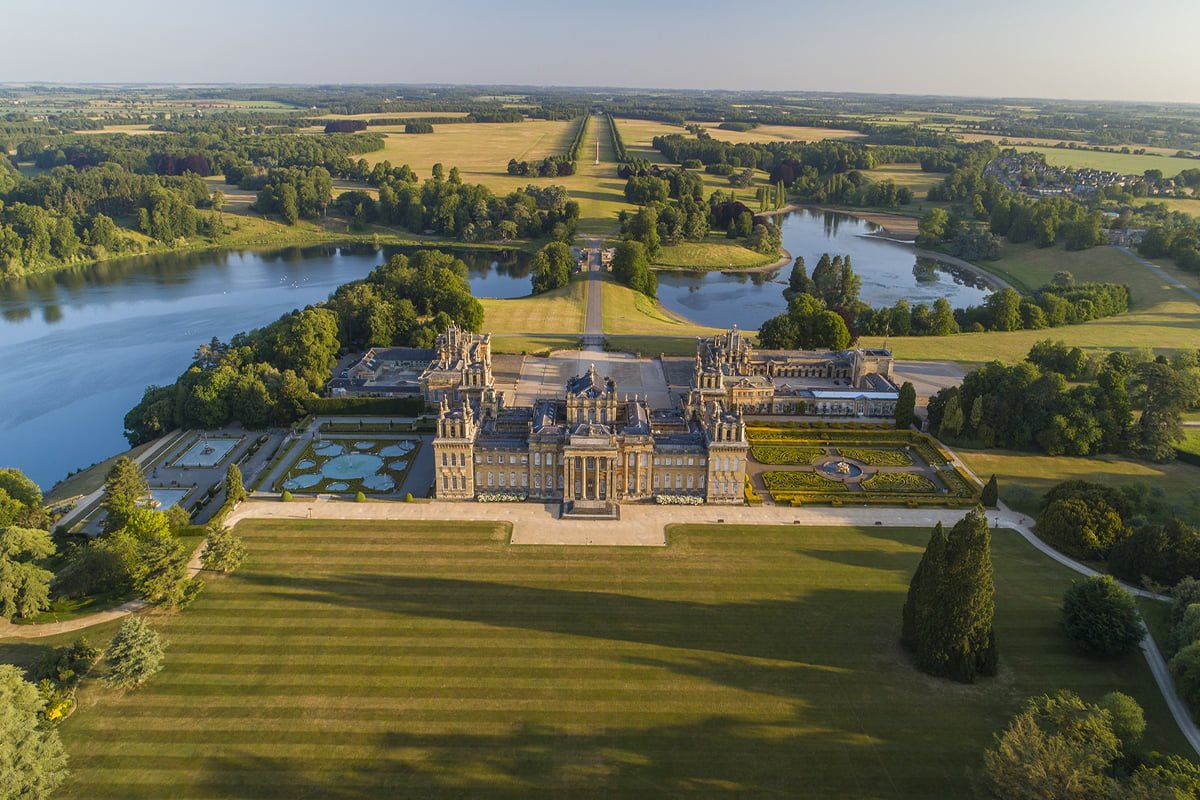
<point x="592" y="446"/>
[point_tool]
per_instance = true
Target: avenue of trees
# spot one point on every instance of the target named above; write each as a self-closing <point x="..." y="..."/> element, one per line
<point x="266" y="376"/>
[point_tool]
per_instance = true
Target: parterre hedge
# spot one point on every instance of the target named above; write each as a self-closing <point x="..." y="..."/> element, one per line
<point x="898" y="483"/>
<point x="877" y="457"/>
<point x="801" y="481"/>
<point x="796" y="456"/>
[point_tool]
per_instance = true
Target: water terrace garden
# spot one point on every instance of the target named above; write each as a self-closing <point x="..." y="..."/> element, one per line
<point x="351" y="464"/>
<point x="805" y="464"/>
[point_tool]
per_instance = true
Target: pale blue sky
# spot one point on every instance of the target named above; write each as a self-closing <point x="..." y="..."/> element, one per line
<point x="1087" y="49"/>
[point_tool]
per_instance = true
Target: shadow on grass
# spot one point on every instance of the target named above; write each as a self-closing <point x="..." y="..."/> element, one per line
<point x="750" y="629"/>
<point x="717" y="756"/>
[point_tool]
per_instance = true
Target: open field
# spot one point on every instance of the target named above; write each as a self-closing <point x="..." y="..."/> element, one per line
<point x="394" y="115"/>
<point x="714" y="252"/>
<point x="1025" y="477"/>
<point x="1124" y="163"/>
<point x="909" y="175"/>
<point x="632" y="313"/>
<point x="358" y="660"/>
<point x="1025" y="142"/>
<point x="1183" y="204"/>
<point x="132" y="130"/>
<point x="637" y="135"/>
<point x="776" y="133"/>
<point x="1161" y="318"/>
<point x="556" y="311"/>
<point x="480" y="151"/>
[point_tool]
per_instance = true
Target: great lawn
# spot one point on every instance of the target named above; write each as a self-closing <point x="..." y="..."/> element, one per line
<point x="363" y="659"/>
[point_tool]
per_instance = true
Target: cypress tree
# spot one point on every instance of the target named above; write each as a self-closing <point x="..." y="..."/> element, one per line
<point x="905" y="405"/>
<point x="919" y="595"/>
<point x="951" y="627"/>
<point x="991" y="493"/>
<point x="798" y="281"/>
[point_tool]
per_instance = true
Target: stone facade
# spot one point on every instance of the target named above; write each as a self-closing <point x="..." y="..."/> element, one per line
<point x="846" y="383"/>
<point x="589" y="448"/>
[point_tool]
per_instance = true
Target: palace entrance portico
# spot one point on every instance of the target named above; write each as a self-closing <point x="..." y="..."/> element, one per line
<point x="590" y="476"/>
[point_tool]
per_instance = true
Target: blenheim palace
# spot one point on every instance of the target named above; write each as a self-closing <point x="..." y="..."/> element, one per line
<point x="592" y="446"/>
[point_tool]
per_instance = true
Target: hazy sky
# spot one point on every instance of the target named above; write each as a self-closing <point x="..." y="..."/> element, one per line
<point x="1085" y="49"/>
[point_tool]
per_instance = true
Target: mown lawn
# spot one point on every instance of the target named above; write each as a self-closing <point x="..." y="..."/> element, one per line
<point x="1161" y="317"/>
<point x="556" y="311"/>
<point x="710" y="253"/>
<point x="363" y="659"/>
<point x="1025" y="477"/>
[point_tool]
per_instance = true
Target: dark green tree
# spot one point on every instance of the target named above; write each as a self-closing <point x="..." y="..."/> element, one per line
<point x="906" y="405"/>
<point x="954" y="606"/>
<point x="798" y="281"/>
<point x="124" y="488"/>
<point x="991" y="493"/>
<point x="1100" y="617"/>
<point x="551" y="268"/>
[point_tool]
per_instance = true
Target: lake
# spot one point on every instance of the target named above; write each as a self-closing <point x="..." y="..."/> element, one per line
<point x="889" y="271"/>
<point x="78" y="347"/>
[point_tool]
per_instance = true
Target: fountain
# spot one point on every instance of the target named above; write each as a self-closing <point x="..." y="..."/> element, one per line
<point x="841" y="469"/>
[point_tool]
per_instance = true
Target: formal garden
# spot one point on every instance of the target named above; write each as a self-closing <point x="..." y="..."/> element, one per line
<point x="349" y="465"/>
<point x="855" y="465"/>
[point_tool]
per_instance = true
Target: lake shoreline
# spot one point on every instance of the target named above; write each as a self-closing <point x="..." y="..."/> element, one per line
<point x="304" y="239"/>
<point x="994" y="281"/>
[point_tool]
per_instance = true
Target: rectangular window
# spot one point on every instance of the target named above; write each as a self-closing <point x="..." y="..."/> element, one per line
<point x="489" y="457"/>
<point x="512" y="459"/>
<point x="443" y="459"/>
<point x="537" y="459"/>
<point x="691" y="461"/>
<point x="478" y="459"/>
<point x="502" y="479"/>
<point x="445" y="482"/>
<point x="549" y="459"/>
<point x="491" y="479"/>
<point x="537" y="481"/>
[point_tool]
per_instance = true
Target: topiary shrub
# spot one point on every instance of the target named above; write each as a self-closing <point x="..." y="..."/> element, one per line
<point x="1100" y="617"/>
<point x="408" y="498"/>
<point x="359" y="497"/>
<point x="286" y="497"/>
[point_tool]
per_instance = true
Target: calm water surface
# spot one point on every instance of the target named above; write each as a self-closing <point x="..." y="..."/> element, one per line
<point x="77" y="348"/>
<point x="889" y="272"/>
